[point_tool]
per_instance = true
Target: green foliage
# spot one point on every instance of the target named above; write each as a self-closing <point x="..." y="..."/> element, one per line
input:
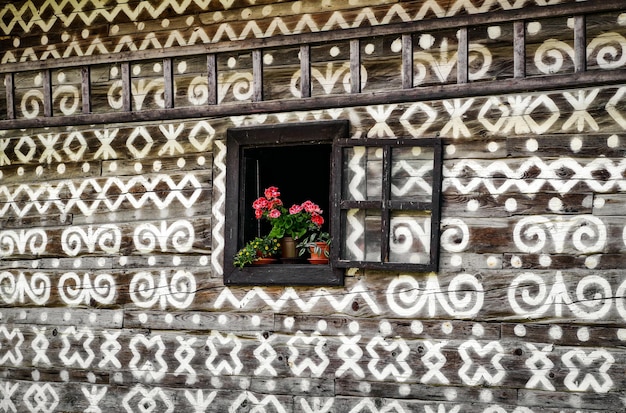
<point x="312" y="242"/>
<point x="264" y="247"/>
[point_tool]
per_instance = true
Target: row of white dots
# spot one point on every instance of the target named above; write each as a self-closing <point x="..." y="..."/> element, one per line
<point x="157" y="166"/>
<point x="102" y="262"/>
<point x="576" y="145"/>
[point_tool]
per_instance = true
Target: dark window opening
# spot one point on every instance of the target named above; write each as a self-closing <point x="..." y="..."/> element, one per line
<point x="301" y="172"/>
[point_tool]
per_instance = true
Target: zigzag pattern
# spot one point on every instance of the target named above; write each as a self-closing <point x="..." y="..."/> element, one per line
<point x="52" y="12"/>
<point x="516" y="178"/>
<point x="27" y="17"/>
<point x="138" y="192"/>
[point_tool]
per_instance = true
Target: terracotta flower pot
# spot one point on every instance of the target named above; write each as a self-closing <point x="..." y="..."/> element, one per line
<point x="319" y="253"/>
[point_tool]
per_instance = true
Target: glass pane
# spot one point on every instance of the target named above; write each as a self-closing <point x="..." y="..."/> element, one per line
<point x="362" y="179"/>
<point x="361" y="235"/>
<point x="412" y="173"/>
<point x="409" y="237"/>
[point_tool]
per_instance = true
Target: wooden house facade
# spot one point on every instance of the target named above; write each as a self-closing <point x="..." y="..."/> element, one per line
<point x="473" y="179"/>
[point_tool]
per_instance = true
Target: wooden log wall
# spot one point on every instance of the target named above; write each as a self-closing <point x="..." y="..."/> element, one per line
<point x="111" y="235"/>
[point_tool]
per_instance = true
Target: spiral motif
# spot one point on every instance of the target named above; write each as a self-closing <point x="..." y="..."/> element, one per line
<point x="71" y="289"/>
<point x="531" y="233"/>
<point x="405" y="231"/>
<point x="479" y="53"/>
<point x="76" y="291"/>
<point x="104" y="289"/>
<point x="611" y="50"/>
<point x="146" y="238"/>
<point x="198" y="91"/>
<point x="466" y="295"/>
<point x="7" y="243"/>
<point x="182" y="235"/>
<point x="143" y="291"/>
<point x="590" y="236"/>
<point x="107" y="237"/>
<point x="147" y="289"/>
<point x="534" y="294"/>
<point x="15" y="289"/>
<point x="551" y="55"/>
<point x="464" y="298"/>
<point x="69" y="98"/>
<point x="182" y="289"/>
<point x="241" y="84"/>
<point x="35" y="239"/>
<point x="403" y="295"/>
<point x="455" y="236"/>
<point x="31" y="102"/>
<point x="114" y="95"/>
<point x="72" y="241"/>
<point x="7" y="287"/>
<point x="534" y="236"/>
<point x="594" y="298"/>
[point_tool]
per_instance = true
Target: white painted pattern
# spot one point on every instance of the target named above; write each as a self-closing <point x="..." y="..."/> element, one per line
<point x="44" y="199"/>
<point x="299" y="364"/>
<point x="41" y="398"/>
<point x="107" y="237"/>
<point x="215" y="362"/>
<point x="407" y="298"/>
<point x="532" y="296"/>
<point x="588" y="233"/>
<point x="481" y="374"/>
<point x="160" y="289"/>
<point x="75" y="290"/>
<point x="147" y="362"/>
<point x="147" y="400"/>
<point x="579" y="359"/>
<point x="16" y="288"/>
<point x="83" y="335"/>
<point x="148" y="237"/>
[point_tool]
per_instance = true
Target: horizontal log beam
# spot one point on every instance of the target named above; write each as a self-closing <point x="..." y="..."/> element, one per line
<point x="503" y="16"/>
<point x="418" y="94"/>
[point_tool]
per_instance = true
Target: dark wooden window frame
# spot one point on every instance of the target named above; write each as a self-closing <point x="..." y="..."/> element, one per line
<point x="386" y="204"/>
<point x="242" y="138"/>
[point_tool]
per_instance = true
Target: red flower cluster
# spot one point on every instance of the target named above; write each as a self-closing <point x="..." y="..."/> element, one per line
<point x="268" y="204"/>
<point x="293" y="222"/>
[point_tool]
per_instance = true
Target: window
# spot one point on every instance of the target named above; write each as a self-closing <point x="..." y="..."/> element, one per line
<point x="296" y="158"/>
<point x="380" y="198"/>
<point x="388" y="198"/>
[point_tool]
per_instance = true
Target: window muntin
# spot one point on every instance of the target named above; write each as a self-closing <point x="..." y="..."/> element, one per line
<point x="388" y="204"/>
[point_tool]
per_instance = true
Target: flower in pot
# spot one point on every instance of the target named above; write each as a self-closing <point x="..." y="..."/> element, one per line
<point x="257" y="251"/>
<point x="318" y="245"/>
<point x="294" y="222"/>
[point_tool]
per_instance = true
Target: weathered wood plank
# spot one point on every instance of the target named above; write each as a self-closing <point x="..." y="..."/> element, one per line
<point x="580" y="43"/>
<point x="305" y="71"/>
<point x="86" y="89"/>
<point x="355" y="66"/>
<point x="475" y="89"/>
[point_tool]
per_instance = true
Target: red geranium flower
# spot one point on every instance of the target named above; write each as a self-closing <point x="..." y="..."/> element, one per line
<point x="295" y="208"/>
<point x="272" y="192"/>
<point x="274" y="213"/>
<point x="317" y="219"/>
